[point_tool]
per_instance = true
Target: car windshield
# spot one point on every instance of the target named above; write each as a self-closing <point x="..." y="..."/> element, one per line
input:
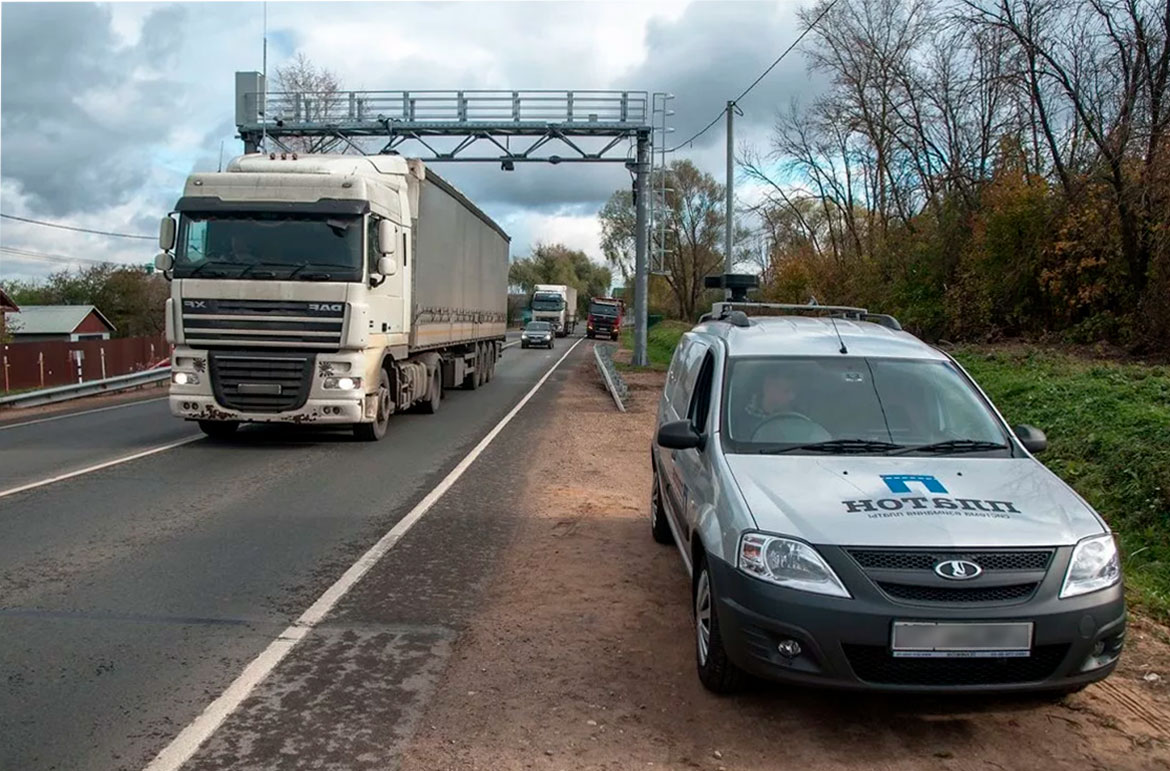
<point x="603" y="310"/>
<point x="538" y="326"/>
<point x="264" y="245"/>
<point x="547" y="301"/>
<point x="854" y="404"/>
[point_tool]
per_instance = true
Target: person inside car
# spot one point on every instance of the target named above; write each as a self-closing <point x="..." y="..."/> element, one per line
<point x="774" y="407"/>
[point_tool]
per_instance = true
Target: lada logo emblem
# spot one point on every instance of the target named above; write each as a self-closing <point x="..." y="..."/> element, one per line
<point x="958" y="570"/>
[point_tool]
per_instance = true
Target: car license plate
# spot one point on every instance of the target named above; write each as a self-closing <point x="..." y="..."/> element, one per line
<point x="940" y="639"/>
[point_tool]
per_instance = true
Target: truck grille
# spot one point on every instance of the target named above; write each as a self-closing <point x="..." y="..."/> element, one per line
<point x="268" y="323"/>
<point x="874" y="664"/>
<point x="264" y="381"/>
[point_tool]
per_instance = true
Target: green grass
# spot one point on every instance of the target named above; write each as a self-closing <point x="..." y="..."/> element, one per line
<point x="1108" y="427"/>
<point x="661" y="340"/>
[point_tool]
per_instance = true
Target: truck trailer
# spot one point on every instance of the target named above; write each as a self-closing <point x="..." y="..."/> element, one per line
<point x="556" y="304"/>
<point x="328" y="289"/>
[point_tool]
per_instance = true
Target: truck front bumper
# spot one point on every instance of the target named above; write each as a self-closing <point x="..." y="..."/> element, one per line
<point x="845" y="643"/>
<point x="322" y="411"/>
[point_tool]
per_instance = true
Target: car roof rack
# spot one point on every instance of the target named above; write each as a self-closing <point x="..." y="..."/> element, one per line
<point x="738" y="309"/>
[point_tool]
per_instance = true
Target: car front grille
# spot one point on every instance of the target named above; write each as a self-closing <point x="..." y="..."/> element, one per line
<point x="261" y="381"/>
<point x="962" y="594"/>
<point x="268" y="323"/>
<point x="908" y="575"/>
<point x="1029" y="559"/>
<point x="874" y="664"/>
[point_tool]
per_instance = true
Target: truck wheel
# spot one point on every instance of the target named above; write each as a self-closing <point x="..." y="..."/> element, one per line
<point x="589" y="335"/>
<point x="659" y="527"/>
<point x="614" y="336"/>
<point x="491" y="359"/>
<point x="372" y="432"/>
<point x="431" y="405"/>
<point x="219" y="429"/>
<point x="717" y="672"/>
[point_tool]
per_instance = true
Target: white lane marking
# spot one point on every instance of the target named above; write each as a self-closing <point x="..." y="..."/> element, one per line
<point x="509" y="345"/>
<point x="199" y="730"/>
<point x="78" y="414"/>
<point x="100" y="466"/>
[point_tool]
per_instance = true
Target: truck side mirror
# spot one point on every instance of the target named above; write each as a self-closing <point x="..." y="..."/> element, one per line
<point x="164" y="261"/>
<point x="387" y="239"/>
<point x="387" y="266"/>
<point x="166" y="234"/>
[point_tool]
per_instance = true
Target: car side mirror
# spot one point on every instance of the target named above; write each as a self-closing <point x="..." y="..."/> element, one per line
<point x="680" y="435"/>
<point x="166" y="234"/>
<point x="164" y="261"/>
<point x="387" y="238"/>
<point x="387" y="266"/>
<point x="1031" y="437"/>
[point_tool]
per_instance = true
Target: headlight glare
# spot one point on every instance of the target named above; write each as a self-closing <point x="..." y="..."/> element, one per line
<point x="184" y="378"/>
<point x="1095" y="565"/>
<point x="343" y="383"/>
<point x="789" y="563"/>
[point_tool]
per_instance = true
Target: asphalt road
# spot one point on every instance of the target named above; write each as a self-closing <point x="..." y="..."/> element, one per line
<point x="130" y="597"/>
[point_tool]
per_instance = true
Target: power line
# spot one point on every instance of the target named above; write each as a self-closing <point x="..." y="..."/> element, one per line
<point x="71" y="227"/>
<point x="763" y="75"/>
<point x="43" y="257"/>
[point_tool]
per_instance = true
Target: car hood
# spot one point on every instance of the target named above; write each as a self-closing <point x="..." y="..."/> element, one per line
<point x="876" y="501"/>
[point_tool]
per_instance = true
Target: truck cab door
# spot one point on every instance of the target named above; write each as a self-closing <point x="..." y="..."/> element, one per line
<point x="387" y="300"/>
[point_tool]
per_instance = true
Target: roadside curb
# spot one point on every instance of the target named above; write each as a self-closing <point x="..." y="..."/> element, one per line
<point x="603" y="355"/>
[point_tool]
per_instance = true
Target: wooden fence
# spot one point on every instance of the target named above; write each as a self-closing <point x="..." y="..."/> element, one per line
<point x="58" y="362"/>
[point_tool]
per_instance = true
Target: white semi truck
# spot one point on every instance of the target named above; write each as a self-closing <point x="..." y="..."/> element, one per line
<point x="328" y="289"/>
<point x="556" y="304"/>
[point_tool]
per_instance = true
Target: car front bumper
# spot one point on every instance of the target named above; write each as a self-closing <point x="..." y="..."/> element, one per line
<point x="846" y="642"/>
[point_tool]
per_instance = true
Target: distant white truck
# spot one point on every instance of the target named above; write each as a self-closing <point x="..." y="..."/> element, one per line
<point x="328" y="289"/>
<point x="556" y="304"/>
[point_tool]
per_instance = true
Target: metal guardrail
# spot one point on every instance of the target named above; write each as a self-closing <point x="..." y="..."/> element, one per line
<point x="44" y="396"/>
<point x="613" y="380"/>
<point x="446" y="107"/>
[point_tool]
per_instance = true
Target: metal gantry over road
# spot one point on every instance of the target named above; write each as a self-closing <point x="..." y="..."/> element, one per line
<point x="504" y="127"/>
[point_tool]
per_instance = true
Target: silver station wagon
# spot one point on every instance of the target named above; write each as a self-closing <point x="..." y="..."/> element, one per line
<point x="854" y="512"/>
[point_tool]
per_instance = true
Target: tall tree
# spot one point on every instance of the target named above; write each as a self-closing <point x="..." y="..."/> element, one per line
<point x="312" y="93"/>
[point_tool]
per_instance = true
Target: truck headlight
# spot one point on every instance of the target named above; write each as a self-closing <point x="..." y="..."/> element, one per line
<point x="1095" y="565"/>
<point x="343" y="383"/>
<point x="789" y="563"/>
<point x="184" y="378"/>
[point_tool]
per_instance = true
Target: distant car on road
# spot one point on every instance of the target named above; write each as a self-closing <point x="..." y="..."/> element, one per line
<point x="854" y="512"/>
<point x="537" y="333"/>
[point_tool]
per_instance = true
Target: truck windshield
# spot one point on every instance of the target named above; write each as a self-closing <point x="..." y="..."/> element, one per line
<point x="547" y="301"/>
<point x="603" y="310"/>
<point x="868" y="405"/>
<point x="268" y="245"/>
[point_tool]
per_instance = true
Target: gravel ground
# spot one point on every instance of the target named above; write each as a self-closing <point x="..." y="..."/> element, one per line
<point x="582" y="657"/>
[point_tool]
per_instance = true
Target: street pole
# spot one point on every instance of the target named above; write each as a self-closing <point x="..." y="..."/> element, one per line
<point x="730" y="224"/>
<point x="641" y="261"/>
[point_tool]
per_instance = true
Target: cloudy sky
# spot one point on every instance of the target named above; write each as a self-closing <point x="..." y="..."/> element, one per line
<point x="105" y="108"/>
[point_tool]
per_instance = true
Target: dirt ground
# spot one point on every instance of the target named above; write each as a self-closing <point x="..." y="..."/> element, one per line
<point x="583" y="656"/>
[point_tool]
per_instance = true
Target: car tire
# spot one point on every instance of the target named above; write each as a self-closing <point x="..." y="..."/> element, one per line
<point x="717" y="672"/>
<point x="659" y="527"/>
<point x="372" y="432"/>
<point x="219" y="429"/>
<point x="523" y="343"/>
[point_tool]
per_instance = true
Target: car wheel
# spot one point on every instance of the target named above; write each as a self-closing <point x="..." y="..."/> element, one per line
<point x="658" y="524"/>
<point x="523" y="343"/>
<point x="218" y="429"/>
<point x="717" y="673"/>
<point x="372" y="432"/>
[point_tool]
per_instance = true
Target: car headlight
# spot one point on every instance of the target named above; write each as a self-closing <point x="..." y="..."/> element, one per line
<point x="788" y="563"/>
<point x="1095" y="565"/>
<point x="184" y="378"/>
<point x="343" y="383"/>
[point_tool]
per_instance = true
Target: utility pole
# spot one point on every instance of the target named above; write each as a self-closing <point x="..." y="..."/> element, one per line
<point x="641" y="261"/>
<point x="729" y="226"/>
